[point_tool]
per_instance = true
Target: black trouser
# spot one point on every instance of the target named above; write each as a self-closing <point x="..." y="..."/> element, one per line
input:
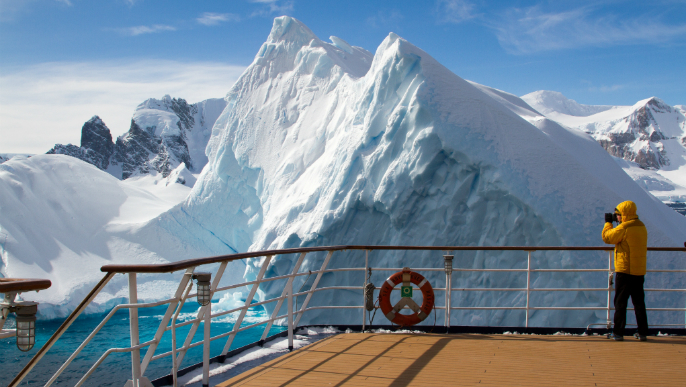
<point x="627" y="285"/>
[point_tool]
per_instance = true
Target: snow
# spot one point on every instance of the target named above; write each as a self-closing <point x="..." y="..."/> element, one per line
<point x="157" y="122"/>
<point x="661" y="184"/>
<point x="7" y="156"/>
<point x="157" y="117"/>
<point x="62" y="219"/>
<point x="342" y="44"/>
<point x="546" y="102"/>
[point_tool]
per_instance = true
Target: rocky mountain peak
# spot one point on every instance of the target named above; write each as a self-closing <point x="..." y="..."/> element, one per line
<point x="164" y="133"/>
<point x="96" y="135"/>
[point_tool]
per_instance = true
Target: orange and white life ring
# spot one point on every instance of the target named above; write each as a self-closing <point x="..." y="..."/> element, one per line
<point x="407" y="277"/>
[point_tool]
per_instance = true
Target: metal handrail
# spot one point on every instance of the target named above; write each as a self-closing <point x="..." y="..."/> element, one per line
<point x="294" y="316"/>
<point x="15" y="285"/>
<point x="181" y="265"/>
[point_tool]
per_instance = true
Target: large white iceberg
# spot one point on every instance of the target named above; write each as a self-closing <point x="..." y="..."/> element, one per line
<point x="314" y="150"/>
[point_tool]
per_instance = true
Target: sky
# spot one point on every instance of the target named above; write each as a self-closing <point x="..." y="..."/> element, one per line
<point x="64" y="61"/>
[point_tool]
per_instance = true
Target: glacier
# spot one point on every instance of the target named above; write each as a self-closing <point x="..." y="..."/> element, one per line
<point x="328" y="144"/>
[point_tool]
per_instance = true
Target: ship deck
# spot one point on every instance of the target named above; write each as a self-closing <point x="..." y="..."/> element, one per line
<point x="377" y="359"/>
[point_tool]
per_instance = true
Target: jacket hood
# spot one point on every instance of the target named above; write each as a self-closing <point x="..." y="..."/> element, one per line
<point x="628" y="210"/>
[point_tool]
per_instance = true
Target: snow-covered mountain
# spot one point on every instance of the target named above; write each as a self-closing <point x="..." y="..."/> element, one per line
<point x="7" y="156"/>
<point x="163" y="135"/>
<point x="326" y="144"/>
<point x="547" y="102"/>
<point x="650" y="136"/>
<point x="649" y="133"/>
<point x="62" y="219"/>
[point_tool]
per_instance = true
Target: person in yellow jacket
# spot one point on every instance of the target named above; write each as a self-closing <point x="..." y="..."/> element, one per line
<point x="630" y="238"/>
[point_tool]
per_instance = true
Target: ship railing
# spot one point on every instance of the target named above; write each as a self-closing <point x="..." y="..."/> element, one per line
<point x="293" y="315"/>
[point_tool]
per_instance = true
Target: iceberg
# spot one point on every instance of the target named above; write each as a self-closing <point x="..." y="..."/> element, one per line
<point x="318" y="146"/>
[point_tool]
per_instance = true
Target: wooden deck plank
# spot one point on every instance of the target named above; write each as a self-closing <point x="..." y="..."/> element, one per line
<point x="398" y="360"/>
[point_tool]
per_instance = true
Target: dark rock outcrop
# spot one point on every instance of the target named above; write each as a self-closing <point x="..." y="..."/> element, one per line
<point x="96" y="144"/>
<point x="151" y="145"/>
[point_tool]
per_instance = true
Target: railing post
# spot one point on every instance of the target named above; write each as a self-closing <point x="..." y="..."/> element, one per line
<point x="609" y="288"/>
<point x="133" y="322"/>
<point x="528" y="286"/>
<point x="290" y="315"/>
<point x="206" y="347"/>
<point x="448" y="266"/>
<point x="364" y="290"/>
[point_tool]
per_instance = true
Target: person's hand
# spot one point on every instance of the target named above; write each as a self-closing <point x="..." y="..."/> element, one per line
<point x="608" y="217"/>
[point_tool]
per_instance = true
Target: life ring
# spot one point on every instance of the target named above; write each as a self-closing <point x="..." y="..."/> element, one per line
<point x="407" y="277"/>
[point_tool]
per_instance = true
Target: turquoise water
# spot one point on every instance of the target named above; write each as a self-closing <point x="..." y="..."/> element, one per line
<point x="116" y="369"/>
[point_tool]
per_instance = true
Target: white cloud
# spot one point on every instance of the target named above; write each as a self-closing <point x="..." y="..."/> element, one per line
<point x="211" y="19"/>
<point x="385" y="19"/>
<point x="274" y="6"/>
<point x="532" y="30"/>
<point x="605" y="89"/>
<point x="65" y="2"/>
<point x="45" y="104"/>
<point x="140" y="30"/>
<point x="454" y="11"/>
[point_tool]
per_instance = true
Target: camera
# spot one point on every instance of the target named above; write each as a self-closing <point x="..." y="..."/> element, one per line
<point x="611" y="217"/>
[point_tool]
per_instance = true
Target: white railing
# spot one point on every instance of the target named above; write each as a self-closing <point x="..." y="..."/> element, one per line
<point x="293" y="315"/>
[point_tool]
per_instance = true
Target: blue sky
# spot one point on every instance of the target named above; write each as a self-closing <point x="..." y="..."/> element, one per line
<point x="63" y="61"/>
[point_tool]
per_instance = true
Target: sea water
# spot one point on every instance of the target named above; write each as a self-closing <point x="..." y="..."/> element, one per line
<point x="116" y="369"/>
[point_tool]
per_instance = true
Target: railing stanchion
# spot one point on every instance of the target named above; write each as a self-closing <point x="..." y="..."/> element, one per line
<point x="448" y="266"/>
<point x="528" y="286"/>
<point x="290" y="315"/>
<point x="364" y="290"/>
<point x="206" y="347"/>
<point x="609" y="288"/>
<point x="133" y="322"/>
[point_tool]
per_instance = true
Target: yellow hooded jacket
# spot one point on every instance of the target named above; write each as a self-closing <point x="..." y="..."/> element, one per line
<point x="630" y="239"/>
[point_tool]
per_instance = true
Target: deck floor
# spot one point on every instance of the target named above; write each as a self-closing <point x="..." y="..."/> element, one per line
<point x="373" y="359"/>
